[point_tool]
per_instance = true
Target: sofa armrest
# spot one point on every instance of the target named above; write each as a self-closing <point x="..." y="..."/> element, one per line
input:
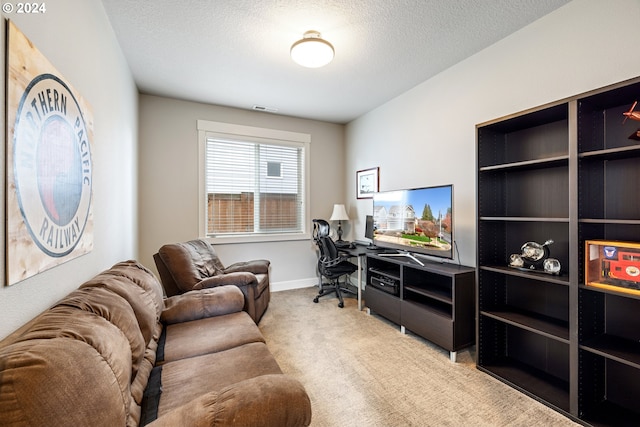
<point x="203" y="303"/>
<point x="267" y="400"/>
<point x="238" y="278"/>
<point x="256" y="266"/>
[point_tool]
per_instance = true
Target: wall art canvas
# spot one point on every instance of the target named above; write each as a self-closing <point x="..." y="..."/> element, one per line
<point x="49" y="164"/>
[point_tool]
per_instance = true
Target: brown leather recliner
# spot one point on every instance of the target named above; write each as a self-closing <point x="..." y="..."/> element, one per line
<point x="195" y="265"/>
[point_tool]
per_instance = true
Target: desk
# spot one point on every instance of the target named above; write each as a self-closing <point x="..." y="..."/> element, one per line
<point x="360" y="252"/>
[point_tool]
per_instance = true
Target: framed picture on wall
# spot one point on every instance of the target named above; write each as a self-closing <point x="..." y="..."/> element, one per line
<point x="367" y="182"/>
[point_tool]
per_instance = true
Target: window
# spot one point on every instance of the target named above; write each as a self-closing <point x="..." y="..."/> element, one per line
<point x="254" y="182"/>
<point x="274" y="170"/>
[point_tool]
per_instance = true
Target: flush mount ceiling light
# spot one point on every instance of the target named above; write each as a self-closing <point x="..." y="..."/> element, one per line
<point x="312" y="51"/>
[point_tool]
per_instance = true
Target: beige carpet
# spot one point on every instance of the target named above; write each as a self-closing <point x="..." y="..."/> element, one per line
<point x="359" y="370"/>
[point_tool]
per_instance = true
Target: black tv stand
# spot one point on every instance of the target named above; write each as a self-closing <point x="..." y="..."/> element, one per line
<point x="402" y="254"/>
<point x="435" y="301"/>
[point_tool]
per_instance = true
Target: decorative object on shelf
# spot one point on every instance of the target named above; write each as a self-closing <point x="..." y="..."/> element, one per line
<point x="551" y="265"/>
<point x="633" y="115"/>
<point x="535" y="256"/>
<point x="367" y="182"/>
<point x="339" y="214"/>
<point x="312" y="51"/>
<point x="613" y="265"/>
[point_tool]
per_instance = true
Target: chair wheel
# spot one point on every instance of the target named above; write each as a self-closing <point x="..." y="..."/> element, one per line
<point x="315" y="300"/>
<point x="341" y="304"/>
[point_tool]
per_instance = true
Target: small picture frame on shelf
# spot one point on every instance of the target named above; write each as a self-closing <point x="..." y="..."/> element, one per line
<point x="613" y="265"/>
<point x="367" y="182"/>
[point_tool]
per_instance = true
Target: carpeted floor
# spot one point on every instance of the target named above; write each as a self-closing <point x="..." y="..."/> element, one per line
<point x="359" y="370"/>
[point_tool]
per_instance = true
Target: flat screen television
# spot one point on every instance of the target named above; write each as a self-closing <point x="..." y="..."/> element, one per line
<point x="417" y="221"/>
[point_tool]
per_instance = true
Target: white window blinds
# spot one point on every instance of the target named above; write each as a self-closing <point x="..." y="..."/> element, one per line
<point x="254" y="187"/>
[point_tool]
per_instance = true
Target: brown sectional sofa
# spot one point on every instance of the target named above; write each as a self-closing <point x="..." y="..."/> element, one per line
<point x="116" y="353"/>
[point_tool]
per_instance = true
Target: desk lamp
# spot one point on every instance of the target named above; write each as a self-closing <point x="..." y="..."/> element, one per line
<point x="339" y="214"/>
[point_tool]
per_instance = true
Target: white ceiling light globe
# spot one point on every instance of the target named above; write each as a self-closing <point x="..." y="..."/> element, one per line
<point x="312" y="51"/>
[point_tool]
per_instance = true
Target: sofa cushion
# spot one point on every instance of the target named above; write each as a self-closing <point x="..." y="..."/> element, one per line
<point x="238" y="278"/>
<point x="71" y="367"/>
<point x="116" y="310"/>
<point x="58" y="382"/>
<point x="144" y="278"/>
<point x="194" y="305"/>
<point x="244" y="404"/>
<point x="215" y="371"/>
<point x="190" y="262"/>
<point x="209" y="335"/>
<point x="256" y="266"/>
<point x="145" y="298"/>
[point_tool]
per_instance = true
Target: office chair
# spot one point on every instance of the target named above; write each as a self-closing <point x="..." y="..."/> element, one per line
<point x="333" y="266"/>
<point x="320" y="228"/>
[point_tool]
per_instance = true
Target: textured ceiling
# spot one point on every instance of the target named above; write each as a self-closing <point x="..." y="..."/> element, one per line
<point x="236" y="52"/>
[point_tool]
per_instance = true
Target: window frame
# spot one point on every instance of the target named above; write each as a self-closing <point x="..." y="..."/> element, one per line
<point x="207" y="129"/>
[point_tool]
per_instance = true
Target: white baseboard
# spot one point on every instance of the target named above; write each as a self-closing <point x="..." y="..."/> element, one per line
<point x="293" y="284"/>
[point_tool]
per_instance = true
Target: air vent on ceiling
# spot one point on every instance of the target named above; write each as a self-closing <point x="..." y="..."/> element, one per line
<point x="264" y="108"/>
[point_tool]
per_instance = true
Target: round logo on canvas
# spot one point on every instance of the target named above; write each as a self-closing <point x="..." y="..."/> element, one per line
<point x="52" y="165"/>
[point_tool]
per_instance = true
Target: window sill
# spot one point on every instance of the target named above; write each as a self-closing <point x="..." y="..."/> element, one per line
<point x="258" y="238"/>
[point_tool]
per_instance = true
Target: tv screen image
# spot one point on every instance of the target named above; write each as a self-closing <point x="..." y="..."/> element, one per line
<point x="418" y="220"/>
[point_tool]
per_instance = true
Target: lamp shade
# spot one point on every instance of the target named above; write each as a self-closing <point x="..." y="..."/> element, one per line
<point x="312" y="51"/>
<point x="339" y="213"/>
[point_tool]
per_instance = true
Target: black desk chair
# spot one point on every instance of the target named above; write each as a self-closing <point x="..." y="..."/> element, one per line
<point x="320" y="228"/>
<point x="332" y="265"/>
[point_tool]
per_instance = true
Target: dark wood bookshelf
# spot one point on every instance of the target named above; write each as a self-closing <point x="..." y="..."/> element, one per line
<point x="611" y="153"/>
<point x="609" y="414"/>
<point x="537" y="384"/>
<point x="560" y="279"/>
<point x="615" y="348"/>
<point x="528" y="164"/>
<point x="570" y="172"/>
<point x="543" y="325"/>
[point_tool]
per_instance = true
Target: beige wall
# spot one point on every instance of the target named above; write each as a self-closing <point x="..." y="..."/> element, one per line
<point x="168" y="182"/>
<point x="78" y="40"/>
<point x="426" y="136"/>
